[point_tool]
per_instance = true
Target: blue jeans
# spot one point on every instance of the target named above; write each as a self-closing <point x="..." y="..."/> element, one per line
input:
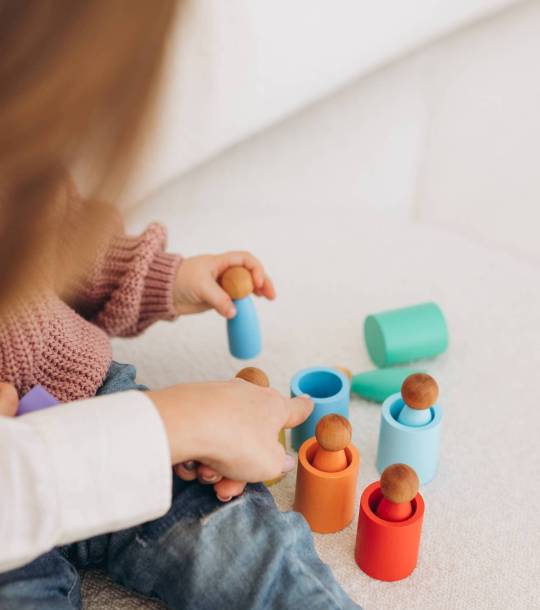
<point x="201" y="555"/>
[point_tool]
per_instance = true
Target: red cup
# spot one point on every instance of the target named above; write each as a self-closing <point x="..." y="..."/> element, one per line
<point x="387" y="550"/>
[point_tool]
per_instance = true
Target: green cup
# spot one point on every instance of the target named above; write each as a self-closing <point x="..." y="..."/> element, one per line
<point x="403" y="335"/>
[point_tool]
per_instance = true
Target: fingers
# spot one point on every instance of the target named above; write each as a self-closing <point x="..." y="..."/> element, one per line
<point x="208" y="475"/>
<point x="267" y="290"/>
<point x="227" y="489"/>
<point x="263" y="285"/>
<point x="9" y="400"/>
<point x="213" y="294"/>
<point x="298" y="410"/>
<point x="191" y="470"/>
<point x="187" y="471"/>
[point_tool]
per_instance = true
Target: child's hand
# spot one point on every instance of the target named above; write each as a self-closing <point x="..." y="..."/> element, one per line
<point x="232" y="427"/>
<point x="9" y="400"/>
<point x="197" y="288"/>
<point x="226" y="489"/>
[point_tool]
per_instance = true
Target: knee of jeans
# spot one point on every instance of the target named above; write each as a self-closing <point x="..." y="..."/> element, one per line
<point x="254" y="517"/>
<point x="123" y="371"/>
<point x="51" y="576"/>
<point x="120" y="377"/>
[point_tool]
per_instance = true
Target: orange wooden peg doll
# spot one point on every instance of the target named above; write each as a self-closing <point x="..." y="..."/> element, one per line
<point x="333" y="434"/>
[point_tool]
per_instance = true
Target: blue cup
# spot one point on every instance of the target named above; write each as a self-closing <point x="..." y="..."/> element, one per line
<point x="243" y="330"/>
<point x="330" y="391"/>
<point x="417" y="446"/>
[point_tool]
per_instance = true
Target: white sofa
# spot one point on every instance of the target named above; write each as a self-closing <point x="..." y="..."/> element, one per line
<point x="416" y="181"/>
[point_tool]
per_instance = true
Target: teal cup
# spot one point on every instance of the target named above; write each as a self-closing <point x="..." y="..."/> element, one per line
<point x="330" y="391"/>
<point x="402" y="335"/>
<point x="417" y="446"/>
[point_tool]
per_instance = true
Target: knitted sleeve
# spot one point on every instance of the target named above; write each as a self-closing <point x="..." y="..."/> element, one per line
<point x="43" y="341"/>
<point x="130" y="284"/>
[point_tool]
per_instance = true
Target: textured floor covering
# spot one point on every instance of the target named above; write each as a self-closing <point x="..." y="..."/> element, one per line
<point x="482" y="526"/>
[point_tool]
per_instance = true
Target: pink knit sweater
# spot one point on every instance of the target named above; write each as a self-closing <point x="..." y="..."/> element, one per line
<point x="67" y="350"/>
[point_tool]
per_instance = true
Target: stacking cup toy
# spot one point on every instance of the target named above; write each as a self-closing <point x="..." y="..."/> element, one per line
<point x="403" y="335"/>
<point x="326" y="499"/>
<point x="416" y="446"/>
<point x="329" y="389"/>
<point x="387" y="550"/>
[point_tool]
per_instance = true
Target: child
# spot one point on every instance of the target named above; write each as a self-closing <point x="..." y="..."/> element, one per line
<point x="69" y="497"/>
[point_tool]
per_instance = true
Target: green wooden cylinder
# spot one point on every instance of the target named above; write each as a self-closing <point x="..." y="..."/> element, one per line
<point x="379" y="384"/>
<point x="403" y="335"/>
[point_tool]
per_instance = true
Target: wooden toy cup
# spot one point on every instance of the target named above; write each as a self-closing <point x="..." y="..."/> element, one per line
<point x="416" y="446"/>
<point x="403" y="335"/>
<point x="326" y="499"/>
<point x="329" y="389"/>
<point x="387" y="550"/>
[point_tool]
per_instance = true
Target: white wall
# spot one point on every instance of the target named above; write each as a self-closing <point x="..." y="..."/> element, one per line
<point x="358" y="149"/>
<point x="239" y="66"/>
<point x="449" y="135"/>
<point x="481" y="164"/>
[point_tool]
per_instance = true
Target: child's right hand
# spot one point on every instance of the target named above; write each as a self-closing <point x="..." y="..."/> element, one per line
<point x="231" y="426"/>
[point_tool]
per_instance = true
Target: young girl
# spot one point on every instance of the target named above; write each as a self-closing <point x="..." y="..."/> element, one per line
<point x="90" y="483"/>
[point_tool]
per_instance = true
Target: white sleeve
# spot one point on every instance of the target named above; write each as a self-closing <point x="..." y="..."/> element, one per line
<point x="80" y="469"/>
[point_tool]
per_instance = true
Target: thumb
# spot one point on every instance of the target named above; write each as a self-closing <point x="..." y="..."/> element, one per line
<point x="299" y="409"/>
<point x="9" y="400"/>
<point x="217" y="298"/>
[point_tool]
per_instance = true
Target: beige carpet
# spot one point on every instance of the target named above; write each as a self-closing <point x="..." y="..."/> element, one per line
<point x="482" y="526"/>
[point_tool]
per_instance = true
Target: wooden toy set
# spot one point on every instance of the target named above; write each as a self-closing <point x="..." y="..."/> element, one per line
<point x="328" y="466"/>
<point x="391" y="510"/>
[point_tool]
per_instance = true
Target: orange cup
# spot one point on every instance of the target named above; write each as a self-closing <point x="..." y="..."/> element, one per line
<point x="387" y="550"/>
<point x="326" y="499"/>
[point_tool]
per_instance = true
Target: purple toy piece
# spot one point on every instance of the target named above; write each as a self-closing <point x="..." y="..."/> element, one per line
<point x="36" y="399"/>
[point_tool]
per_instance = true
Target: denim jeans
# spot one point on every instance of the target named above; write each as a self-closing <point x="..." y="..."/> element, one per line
<point x="202" y="554"/>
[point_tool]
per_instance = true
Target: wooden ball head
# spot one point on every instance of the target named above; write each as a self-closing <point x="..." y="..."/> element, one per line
<point x="333" y="434"/>
<point x="254" y="375"/>
<point x="237" y="282"/>
<point x="399" y="486"/>
<point x="420" y="391"/>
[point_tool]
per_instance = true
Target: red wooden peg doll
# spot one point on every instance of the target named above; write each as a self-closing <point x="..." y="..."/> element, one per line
<point x="399" y="486"/>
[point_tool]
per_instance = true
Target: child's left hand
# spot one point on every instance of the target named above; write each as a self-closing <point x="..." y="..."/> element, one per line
<point x="197" y="288"/>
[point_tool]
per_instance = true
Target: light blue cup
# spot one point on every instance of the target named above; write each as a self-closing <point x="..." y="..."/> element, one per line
<point x="417" y="446"/>
<point x="243" y="330"/>
<point x="330" y="391"/>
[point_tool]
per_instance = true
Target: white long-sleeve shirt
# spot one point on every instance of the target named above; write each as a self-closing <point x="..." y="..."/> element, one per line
<point x="79" y="469"/>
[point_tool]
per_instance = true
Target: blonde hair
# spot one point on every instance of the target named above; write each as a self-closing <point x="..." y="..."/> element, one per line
<point x="77" y="78"/>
